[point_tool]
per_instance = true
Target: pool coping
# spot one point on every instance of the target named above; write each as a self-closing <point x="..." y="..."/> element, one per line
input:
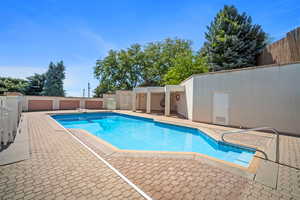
<point x="109" y="149"/>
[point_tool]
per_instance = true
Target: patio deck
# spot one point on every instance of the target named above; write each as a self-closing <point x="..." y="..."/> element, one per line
<point x="61" y="168"/>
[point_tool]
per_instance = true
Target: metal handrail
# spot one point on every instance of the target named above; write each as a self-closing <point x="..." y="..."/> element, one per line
<point x="256" y="129"/>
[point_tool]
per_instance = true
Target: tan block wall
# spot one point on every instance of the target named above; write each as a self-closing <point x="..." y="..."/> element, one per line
<point x="31" y="103"/>
<point x="39" y="105"/>
<point x="141" y="101"/>
<point x="124" y="99"/>
<point x="155" y="101"/>
<point x="93" y="104"/>
<point x="69" y="104"/>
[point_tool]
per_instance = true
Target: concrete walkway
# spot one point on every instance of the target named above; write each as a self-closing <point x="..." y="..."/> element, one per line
<point x="19" y="149"/>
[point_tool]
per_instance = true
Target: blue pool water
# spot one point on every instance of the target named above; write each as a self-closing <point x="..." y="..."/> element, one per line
<point x="137" y="133"/>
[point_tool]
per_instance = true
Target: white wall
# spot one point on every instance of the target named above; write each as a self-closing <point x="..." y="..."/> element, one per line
<point x="185" y="103"/>
<point x="263" y="96"/>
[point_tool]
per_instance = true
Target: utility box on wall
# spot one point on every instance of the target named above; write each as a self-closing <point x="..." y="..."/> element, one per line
<point x="220" y="108"/>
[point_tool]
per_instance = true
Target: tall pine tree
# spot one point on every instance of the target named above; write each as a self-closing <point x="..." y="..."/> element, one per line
<point x="54" y="80"/>
<point x="232" y="40"/>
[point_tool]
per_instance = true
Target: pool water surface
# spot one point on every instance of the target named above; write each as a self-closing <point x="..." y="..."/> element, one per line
<point x="136" y="133"/>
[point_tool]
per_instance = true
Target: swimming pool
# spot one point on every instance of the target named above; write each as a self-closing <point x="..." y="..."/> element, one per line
<point x="136" y="133"/>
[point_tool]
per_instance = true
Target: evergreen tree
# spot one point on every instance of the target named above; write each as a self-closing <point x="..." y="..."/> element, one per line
<point x="35" y="84"/>
<point x="232" y="40"/>
<point x="54" y="80"/>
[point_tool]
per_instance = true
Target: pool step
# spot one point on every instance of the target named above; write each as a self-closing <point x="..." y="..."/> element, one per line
<point x="244" y="159"/>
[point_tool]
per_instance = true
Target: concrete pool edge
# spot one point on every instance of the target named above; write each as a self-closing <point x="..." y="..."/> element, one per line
<point x="111" y="150"/>
<point x="248" y="172"/>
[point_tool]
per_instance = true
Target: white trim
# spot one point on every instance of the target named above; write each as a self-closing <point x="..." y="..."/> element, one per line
<point x="141" y="192"/>
<point x="171" y="88"/>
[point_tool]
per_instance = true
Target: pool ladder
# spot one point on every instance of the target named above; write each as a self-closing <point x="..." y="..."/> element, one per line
<point x="256" y="129"/>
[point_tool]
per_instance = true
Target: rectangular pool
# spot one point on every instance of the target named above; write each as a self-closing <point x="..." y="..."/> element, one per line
<point x="136" y="133"/>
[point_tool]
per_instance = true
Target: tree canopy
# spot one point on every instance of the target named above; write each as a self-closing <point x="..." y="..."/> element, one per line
<point x="35" y="84"/>
<point x="159" y="57"/>
<point x="184" y="66"/>
<point x="140" y="65"/>
<point x="8" y="84"/>
<point x="232" y="41"/>
<point x="54" y="77"/>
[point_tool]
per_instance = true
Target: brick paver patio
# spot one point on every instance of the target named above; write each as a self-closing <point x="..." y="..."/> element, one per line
<point x="60" y="167"/>
<point x="165" y="178"/>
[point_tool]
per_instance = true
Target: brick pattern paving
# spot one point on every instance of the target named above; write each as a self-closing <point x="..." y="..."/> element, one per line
<point x="60" y="168"/>
<point x="260" y="141"/>
<point x="172" y="179"/>
<point x="290" y="151"/>
<point x="165" y="178"/>
<point x="189" y="179"/>
<point x="289" y="181"/>
<point x="288" y="187"/>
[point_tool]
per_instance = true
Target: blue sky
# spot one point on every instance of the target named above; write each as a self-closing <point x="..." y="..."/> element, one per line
<point x="33" y="33"/>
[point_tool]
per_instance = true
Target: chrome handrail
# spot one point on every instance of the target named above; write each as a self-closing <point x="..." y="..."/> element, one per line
<point x="256" y="129"/>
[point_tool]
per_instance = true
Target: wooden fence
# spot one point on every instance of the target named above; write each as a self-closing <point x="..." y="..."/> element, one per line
<point x="286" y="50"/>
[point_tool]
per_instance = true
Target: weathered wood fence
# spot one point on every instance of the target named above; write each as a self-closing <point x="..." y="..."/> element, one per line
<point x="286" y="50"/>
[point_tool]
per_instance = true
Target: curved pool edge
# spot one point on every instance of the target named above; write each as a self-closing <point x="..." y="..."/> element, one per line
<point x="250" y="170"/>
<point x="111" y="150"/>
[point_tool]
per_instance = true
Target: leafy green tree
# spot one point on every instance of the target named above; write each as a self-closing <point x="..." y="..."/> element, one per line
<point x="232" y="40"/>
<point x="119" y="70"/>
<point x="54" y="77"/>
<point x="159" y="57"/>
<point x="137" y="65"/>
<point x="185" y="66"/>
<point x="8" y="84"/>
<point x="35" y="84"/>
<point x="107" y="72"/>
